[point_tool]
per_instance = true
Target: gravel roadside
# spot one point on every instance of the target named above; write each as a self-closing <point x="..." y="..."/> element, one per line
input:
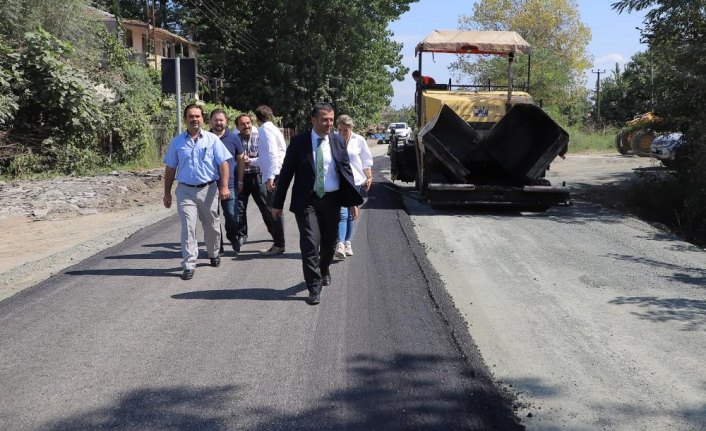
<point x="48" y="225"/>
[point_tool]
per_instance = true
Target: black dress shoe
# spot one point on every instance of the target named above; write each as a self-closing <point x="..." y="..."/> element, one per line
<point x="314" y="297"/>
<point x="188" y="274"/>
<point x="238" y="244"/>
<point x="326" y="280"/>
<point x="216" y="261"/>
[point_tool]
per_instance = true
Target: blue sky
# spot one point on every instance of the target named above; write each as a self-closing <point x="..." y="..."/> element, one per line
<point x="613" y="37"/>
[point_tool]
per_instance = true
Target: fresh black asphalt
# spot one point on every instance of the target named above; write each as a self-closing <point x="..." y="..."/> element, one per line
<point x="120" y="342"/>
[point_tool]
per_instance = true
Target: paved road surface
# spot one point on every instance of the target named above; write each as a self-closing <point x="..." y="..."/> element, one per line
<point x="120" y="342"/>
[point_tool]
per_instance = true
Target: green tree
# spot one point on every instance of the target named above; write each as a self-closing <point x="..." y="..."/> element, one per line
<point x="342" y="53"/>
<point x="627" y="93"/>
<point x="64" y="19"/>
<point x="291" y="53"/>
<point x="675" y="31"/>
<point x="558" y="39"/>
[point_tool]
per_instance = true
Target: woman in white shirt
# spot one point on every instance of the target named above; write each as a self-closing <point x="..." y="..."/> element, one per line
<point x="361" y="164"/>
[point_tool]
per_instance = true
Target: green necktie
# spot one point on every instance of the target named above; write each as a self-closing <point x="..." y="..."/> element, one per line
<point x="319" y="187"/>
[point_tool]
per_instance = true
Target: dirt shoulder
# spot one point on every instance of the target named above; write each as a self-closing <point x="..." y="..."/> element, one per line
<point x="601" y="178"/>
<point x="48" y="225"/>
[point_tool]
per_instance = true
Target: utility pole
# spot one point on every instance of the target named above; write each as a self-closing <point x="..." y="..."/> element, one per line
<point x="598" y="93"/>
<point x="154" y="34"/>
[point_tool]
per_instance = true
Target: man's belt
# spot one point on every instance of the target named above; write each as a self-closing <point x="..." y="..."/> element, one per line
<point x="199" y="186"/>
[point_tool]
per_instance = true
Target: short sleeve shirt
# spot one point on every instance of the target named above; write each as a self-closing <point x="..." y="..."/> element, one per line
<point x="196" y="161"/>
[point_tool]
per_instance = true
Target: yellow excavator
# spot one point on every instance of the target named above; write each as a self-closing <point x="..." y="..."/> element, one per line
<point x="637" y="135"/>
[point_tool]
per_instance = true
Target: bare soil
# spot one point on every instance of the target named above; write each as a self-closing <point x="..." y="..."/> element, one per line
<point x="47" y="225"/>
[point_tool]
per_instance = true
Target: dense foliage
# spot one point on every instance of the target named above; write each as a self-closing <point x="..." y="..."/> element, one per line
<point x="71" y="100"/>
<point x="629" y="92"/>
<point x="291" y="53"/>
<point x="676" y="31"/>
<point x="558" y="56"/>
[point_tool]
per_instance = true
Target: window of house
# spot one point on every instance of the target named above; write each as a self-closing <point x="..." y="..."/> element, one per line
<point x="128" y="39"/>
<point x="166" y="48"/>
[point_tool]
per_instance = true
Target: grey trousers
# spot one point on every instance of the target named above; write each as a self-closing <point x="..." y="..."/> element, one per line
<point x="193" y="204"/>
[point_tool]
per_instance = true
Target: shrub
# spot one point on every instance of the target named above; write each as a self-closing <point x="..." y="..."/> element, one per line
<point x="57" y="100"/>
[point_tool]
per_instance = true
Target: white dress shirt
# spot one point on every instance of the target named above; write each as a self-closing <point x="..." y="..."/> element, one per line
<point x="361" y="158"/>
<point x="331" y="180"/>
<point x="271" y="148"/>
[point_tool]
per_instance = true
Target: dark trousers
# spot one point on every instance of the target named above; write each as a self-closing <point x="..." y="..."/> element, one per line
<point x="230" y="215"/>
<point x="318" y="229"/>
<point x="252" y="185"/>
<point x="276" y="225"/>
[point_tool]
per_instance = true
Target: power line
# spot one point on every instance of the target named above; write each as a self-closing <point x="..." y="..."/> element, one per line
<point x="238" y="30"/>
<point x="598" y="93"/>
<point x="220" y="21"/>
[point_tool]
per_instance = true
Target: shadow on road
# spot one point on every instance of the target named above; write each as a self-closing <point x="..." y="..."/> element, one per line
<point x="175" y="408"/>
<point x="169" y="245"/>
<point x="372" y="402"/>
<point x="157" y="254"/>
<point x="692" y="276"/>
<point x="255" y="294"/>
<point x="133" y="272"/>
<point x="691" y="312"/>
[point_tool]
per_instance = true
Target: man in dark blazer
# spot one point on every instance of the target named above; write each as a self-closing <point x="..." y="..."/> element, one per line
<point x="318" y="162"/>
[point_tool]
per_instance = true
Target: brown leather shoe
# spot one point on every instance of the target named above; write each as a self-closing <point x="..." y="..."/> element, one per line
<point x="272" y="251"/>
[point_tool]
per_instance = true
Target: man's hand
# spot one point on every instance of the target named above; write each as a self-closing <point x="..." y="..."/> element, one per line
<point x="223" y="193"/>
<point x="354" y="212"/>
<point x="270" y="184"/>
<point x="276" y="213"/>
<point x="368" y="183"/>
<point x="167" y="200"/>
<point x="240" y="187"/>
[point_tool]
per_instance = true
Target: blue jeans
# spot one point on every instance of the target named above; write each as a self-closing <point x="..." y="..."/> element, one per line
<point x="230" y="215"/>
<point x="346" y="225"/>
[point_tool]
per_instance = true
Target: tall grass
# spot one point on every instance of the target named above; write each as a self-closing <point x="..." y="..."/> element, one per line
<point x="587" y="141"/>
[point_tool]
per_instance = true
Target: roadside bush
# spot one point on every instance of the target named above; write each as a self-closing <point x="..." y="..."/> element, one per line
<point x="74" y="158"/>
<point x="136" y="101"/>
<point x="25" y="164"/>
<point x="62" y="118"/>
<point x="659" y="199"/>
<point x="692" y="179"/>
<point x="9" y="77"/>
<point x="57" y="104"/>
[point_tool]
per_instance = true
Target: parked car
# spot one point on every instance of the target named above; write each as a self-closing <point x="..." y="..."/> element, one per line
<point x="666" y="148"/>
<point x="397" y="129"/>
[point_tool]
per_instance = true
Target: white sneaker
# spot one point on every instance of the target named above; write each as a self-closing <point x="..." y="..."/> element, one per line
<point x="347" y="248"/>
<point x="340" y="252"/>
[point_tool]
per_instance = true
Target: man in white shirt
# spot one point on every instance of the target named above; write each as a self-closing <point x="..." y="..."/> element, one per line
<point x="271" y="148"/>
